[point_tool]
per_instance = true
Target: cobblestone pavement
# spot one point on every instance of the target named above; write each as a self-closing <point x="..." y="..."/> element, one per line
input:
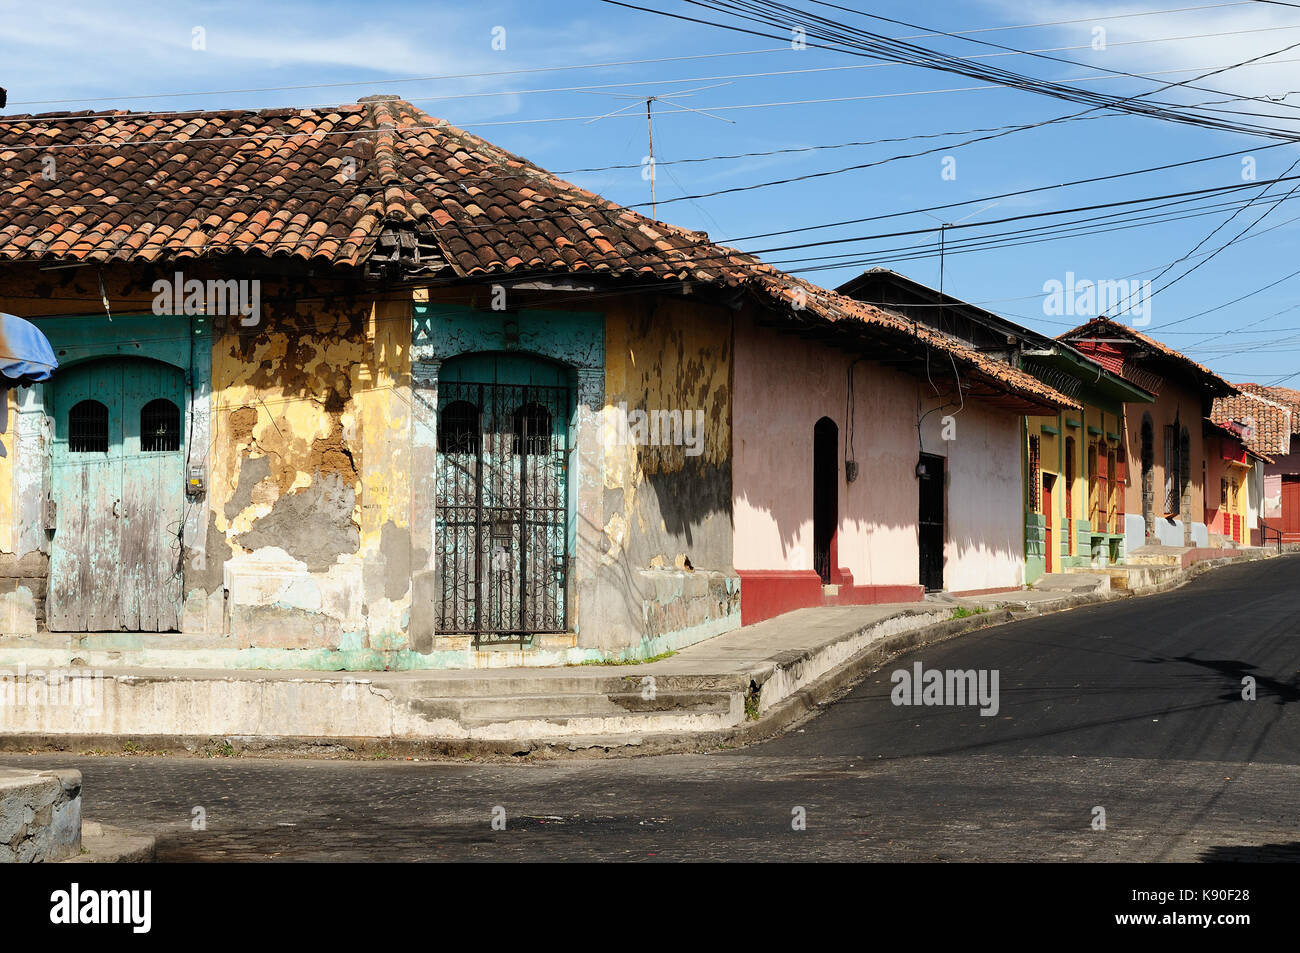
<point x="1134" y="707"/>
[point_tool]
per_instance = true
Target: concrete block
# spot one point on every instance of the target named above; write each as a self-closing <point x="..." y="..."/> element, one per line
<point x="40" y="815"/>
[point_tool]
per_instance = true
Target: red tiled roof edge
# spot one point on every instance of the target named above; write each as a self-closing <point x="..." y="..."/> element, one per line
<point x="1114" y="327"/>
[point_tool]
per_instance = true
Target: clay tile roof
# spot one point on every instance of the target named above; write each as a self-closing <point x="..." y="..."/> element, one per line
<point x="1239" y="433"/>
<point x="326" y="185"/>
<point x="120" y="186"/>
<point x="1106" y="328"/>
<point x="1272" y="413"/>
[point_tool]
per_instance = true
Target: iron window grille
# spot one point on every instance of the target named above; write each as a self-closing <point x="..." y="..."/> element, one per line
<point x="88" y="427"/>
<point x="160" y="426"/>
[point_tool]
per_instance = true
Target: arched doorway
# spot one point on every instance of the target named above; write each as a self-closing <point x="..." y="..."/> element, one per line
<point x="502" y="530"/>
<point x="118" y="487"/>
<point x="826" y="497"/>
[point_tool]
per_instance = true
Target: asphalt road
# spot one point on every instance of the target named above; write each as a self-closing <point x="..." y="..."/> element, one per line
<point x="1135" y="707"/>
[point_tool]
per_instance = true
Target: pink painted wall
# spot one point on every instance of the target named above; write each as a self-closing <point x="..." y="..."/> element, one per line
<point x="985" y="533"/>
<point x="783" y="385"/>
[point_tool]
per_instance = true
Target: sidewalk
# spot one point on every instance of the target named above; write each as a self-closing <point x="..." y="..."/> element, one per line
<point x="730" y="690"/>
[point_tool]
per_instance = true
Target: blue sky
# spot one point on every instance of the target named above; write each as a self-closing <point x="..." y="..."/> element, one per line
<point x="136" y="55"/>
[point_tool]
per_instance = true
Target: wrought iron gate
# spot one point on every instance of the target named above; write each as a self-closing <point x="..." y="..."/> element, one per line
<point x="502" y="536"/>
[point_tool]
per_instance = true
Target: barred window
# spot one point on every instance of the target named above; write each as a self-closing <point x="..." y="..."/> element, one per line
<point x="458" y="428"/>
<point x="88" y="427"/>
<point x="532" y="430"/>
<point x="160" y="426"/>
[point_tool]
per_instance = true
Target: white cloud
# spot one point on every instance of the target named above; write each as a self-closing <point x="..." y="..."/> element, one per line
<point x="1217" y="38"/>
<point x="78" y="51"/>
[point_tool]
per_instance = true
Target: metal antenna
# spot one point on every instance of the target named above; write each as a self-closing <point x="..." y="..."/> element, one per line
<point x="943" y="243"/>
<point x="649" y="121"/>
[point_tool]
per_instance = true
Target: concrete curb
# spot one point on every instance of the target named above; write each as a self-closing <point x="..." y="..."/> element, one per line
<point x="102" y="844"/>
<point x="797" y="685"/>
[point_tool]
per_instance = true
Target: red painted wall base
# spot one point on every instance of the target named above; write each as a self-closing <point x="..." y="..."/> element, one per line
<point x="768" y="593"/>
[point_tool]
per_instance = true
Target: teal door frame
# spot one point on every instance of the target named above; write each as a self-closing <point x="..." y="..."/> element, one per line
<point x="183" y="342"/>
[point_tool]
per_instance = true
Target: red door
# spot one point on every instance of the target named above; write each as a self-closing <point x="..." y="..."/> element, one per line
<point x="1048" y="553"/>
<point x="1291" y="508"/>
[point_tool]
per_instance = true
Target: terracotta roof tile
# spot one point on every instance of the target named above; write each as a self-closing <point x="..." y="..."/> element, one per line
<point x="1106" y="328"/>
<point x="1273" y="414"/>
<point x="323" y="184"/>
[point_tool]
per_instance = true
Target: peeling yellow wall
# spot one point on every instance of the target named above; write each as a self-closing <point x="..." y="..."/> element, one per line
<point x="323" y="392"/>
<point x="667" y="354"/>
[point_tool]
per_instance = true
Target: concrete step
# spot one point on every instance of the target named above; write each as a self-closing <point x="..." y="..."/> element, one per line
<point x="1153" y="555"/>
<point x="506" y="707"/>
<point x="1140" y="576"/>
<point x="551" y="682"/>
<point x="547" y="723"/>
<point x="103" y="844"/>
<point x="1077" y="580"/>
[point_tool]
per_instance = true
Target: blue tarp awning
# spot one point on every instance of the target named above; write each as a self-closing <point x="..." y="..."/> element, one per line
<point x="25" y="354"/>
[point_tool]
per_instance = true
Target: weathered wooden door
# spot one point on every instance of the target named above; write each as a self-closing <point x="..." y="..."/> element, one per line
<point x="1290" y="520"/>
<point x="118" y="490"/>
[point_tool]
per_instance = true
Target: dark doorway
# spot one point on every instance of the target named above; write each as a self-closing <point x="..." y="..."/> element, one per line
<point x="826" y="496"/>
<point x="930" y="473"/>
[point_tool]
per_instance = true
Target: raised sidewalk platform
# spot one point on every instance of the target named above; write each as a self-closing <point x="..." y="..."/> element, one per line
<point x="732" y="689"/>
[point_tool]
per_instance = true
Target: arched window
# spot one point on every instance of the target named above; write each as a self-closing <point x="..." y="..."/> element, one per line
<point x="532" y="430"/>
<point x="160" y="426"/>
<point x="458" y="428"/>
<point x="88" y="427"/>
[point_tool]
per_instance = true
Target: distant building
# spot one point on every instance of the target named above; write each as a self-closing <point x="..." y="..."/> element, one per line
<point x="1268" y="421"/>
<point x="1072" y="461"/>
<point x="1167" y="472"/>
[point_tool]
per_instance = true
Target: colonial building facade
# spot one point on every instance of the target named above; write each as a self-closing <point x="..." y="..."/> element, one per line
<point x="1071" y="462"/>
<point x="352" y="388"/>
<point x="1168" y="455"/>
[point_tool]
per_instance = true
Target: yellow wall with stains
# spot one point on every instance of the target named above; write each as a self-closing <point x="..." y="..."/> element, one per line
<point x="666" y="354"/>
<point x="322" y="391"/>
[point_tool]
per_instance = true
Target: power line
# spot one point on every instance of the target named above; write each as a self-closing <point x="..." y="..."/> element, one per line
<point x="576" y="66"/>
<point x="1226" y="244"/>
<point x="1012" y="51"/>
<point x="880" y="47"/>
<point x="951" y="205"/>
<point x="1008" y="239"/>
<point x="48" y="118"/>
<point x="1031" y="215"/>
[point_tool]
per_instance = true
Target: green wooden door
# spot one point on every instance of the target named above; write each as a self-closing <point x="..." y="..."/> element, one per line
<point x="118" y="489"/>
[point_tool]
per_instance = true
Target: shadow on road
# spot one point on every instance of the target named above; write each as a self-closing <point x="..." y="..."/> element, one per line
<point x="1262" y="853"/>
